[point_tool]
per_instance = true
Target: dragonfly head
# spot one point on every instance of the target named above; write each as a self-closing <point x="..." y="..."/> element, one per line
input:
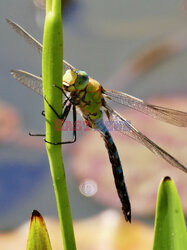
<point x="77" y="79"/>
<point x="81" y="80"/>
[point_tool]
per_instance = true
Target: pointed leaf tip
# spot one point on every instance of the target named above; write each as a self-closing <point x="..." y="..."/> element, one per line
<point x="38" y="238"/>
<point x="167" y="178"/>
<point x="170" y="229"/>
<point x="35" y="213"/>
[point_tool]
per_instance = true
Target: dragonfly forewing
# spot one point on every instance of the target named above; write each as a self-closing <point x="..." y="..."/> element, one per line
<point x="132" y="132"/>
<point x="28" y="38"/>
<point x="33" y="42"/>
<point x="175" y="117"/>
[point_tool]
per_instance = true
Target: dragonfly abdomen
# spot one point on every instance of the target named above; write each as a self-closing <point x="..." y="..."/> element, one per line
<point x="116" y="168"/>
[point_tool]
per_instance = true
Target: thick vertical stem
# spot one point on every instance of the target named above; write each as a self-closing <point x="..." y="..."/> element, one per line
<point x="52" y="70"/>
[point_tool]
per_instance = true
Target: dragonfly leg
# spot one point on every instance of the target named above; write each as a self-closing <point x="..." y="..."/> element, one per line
<point x="31" y="134"/>
<point x="65" y="114"/>
<point x="74" y="125"/>
<point x="59" y="116"/>
<point x="61" y="89"/>
<point x="64" y="104"/>
<point x="63" y="118"/>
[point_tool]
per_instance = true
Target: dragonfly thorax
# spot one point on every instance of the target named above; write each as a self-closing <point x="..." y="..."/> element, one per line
<point x="86" y="93"/>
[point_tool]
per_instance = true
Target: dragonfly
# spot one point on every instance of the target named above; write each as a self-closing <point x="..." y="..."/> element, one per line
<point x="87" y="95"/>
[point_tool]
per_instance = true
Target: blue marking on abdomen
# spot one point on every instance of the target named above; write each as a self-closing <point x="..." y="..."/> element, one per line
<point x="116" y="168"/>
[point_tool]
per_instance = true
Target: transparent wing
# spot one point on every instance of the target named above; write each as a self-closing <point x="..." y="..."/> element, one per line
<point x="32" y="41"/>
<point x="175" y="117"/>
<point x="28" y="38"/>
<point x="121" y="124"/>
<point x="29" y="80"/>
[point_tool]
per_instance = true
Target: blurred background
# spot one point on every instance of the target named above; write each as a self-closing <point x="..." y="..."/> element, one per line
<point x="135" y="46"/>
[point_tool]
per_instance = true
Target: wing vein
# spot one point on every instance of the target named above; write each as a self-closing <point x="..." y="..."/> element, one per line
<point x="175" y="117"/>
<point x="127" y="129"/>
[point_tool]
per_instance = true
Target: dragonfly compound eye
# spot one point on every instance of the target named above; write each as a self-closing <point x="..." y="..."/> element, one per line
<point x="81" y="80"/>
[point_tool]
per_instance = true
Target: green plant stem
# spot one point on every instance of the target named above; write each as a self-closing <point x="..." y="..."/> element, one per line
<point x="52" y="69"/>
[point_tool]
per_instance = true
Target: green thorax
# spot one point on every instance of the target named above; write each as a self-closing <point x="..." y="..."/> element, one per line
<point x="86" y="93"/>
